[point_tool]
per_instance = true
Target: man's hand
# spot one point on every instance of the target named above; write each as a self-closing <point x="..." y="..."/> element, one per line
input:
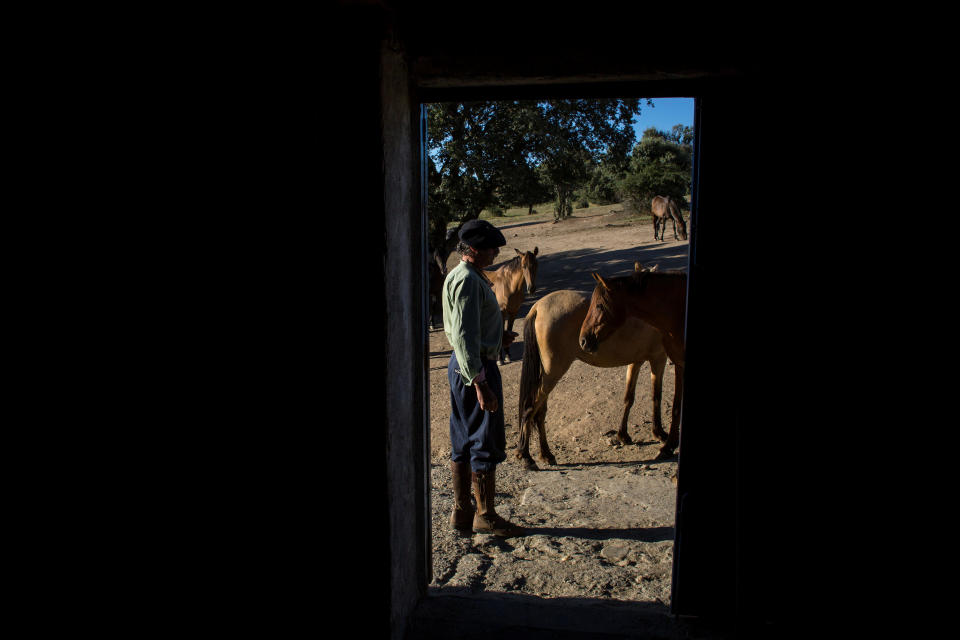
<point x="486" y="397"/>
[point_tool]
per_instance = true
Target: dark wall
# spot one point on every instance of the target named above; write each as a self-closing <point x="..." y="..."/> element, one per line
<point x="729" y="561"/>
<point x="770" y="278"/>
<point x="279" y="403"/>
<point x="307" y="369"/>
<point x="309" y="276"/>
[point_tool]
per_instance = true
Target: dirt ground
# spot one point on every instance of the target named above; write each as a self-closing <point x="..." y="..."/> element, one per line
<point x="601" y="522"/>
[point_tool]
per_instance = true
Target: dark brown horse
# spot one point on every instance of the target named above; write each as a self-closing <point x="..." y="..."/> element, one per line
<point x="508" y="282"/>
<point x="441" y="253"/>
<point x="550" y="345"/>
<point x="664" y="207"/>
<point x="658" y="298"/>
<point x="436" y="276"/>
<point x="436" y="272"/>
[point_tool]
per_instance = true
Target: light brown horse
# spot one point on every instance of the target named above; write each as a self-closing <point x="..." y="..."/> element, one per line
<point x="658" y="298"/>
<point x="662" y="208"/>
<point x="550" y="345"/>
<point x="508" y="282"/>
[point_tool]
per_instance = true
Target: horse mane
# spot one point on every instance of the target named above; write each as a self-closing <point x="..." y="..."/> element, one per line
<point x="509" y="265"/>
<point x="513" y="262"/>
<point x="631" y="282"/>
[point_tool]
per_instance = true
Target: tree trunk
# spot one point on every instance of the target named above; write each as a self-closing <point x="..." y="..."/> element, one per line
<point x="563" y="207"/>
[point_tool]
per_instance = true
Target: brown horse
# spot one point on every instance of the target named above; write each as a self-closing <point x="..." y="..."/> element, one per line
<point x="441" y="253"/>
<point x="663" y="207"/>
<point x="508" y="282"/>
<point x="436" y="272"/>
<point x="550" y="345"/>
<point x="654" y="297"/>
<point x="436" y="277"/>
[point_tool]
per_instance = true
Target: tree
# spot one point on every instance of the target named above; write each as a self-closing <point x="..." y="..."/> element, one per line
<point x="491" y="152"/>
<point x="573" y="136"/>
<point x="603" y="183"/>
<point x="439" y="209"/>
<point x="459" y="142"/>
<point x="681" y="134"/>
<point x="660" y="165"/>
<point x="524" y="186"/>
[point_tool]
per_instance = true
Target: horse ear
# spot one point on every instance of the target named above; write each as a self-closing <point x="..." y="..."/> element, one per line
<point x="637" y="267"/>
<point x="596" y="276"/>
<point x="535" y="251"/>
<point x="654" y="267"/>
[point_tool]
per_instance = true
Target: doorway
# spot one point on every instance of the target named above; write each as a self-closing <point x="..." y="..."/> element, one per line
<point x="601" y="520"/>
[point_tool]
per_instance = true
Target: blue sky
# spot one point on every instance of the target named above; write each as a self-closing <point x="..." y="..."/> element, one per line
<point x="665" y="113"/>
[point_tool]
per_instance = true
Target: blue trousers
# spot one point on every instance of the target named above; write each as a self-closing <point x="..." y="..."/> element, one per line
<point x="476" y="436"/>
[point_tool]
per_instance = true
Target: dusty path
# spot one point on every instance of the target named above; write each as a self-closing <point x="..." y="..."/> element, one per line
<point x="601" y="521"/>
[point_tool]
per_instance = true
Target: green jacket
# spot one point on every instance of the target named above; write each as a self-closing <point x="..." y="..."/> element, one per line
<point x="472" y="320"/>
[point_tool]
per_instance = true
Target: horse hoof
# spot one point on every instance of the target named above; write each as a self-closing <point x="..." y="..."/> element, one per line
<point x="665" y="454"/>
<point x="529" y="464"/>
<point x="624" y="439"/>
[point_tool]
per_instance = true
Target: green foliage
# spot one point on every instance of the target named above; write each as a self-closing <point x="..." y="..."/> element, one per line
<point x="661" y="164"/>
<point x="681" y="134"/>
<point x="575" y="135"/>
<point x="524" y="186"/>
<point x="476" y="147"/>
<point x="437" y="205"/>
<point x="492" y="154"/>
<point x="603" y="183"/>
<point x="602" y="187"/>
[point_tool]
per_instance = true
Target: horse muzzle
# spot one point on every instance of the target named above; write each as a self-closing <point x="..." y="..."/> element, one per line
<point x="588" y="343"/>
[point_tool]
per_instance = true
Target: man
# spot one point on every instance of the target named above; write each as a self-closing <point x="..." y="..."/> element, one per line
<point x="474" y="327"/>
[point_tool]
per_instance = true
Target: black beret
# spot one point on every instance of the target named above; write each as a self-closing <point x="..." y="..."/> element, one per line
<point x="480" y="234"/>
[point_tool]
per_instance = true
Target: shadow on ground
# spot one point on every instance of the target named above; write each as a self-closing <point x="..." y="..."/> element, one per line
<point x="457" y="613"/>
<point x="572" y="269"/>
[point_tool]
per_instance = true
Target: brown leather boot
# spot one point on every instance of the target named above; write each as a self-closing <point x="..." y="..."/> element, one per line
<point x="486" y="519"/>
<point x="462" y="515"/>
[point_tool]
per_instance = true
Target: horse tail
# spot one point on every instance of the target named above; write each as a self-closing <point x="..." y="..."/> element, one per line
<point x="531" y="369"/>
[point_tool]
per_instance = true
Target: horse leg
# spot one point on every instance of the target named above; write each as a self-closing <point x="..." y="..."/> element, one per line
<point x="537" y="414"/>
<point x="505" y="351"/>
<point x="673" y="440"/>
<point x="523" y="444"/>
<point x="629" y="394"/>
<point x="433" y="311"/>
<point x="545" y="454"/>
<point x="657" y="365"/>
<point x="503" y="315"/>
<point x="675" y="236"/>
